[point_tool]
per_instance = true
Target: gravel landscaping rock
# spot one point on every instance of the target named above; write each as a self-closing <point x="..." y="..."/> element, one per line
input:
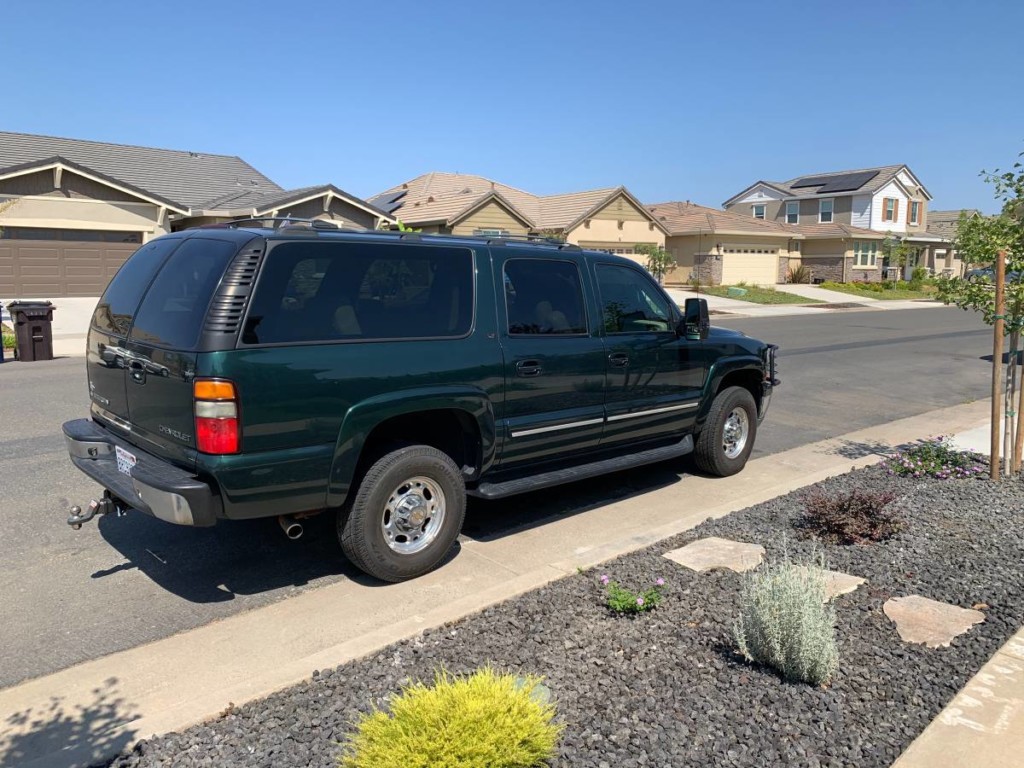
<point x="665" y="687"/>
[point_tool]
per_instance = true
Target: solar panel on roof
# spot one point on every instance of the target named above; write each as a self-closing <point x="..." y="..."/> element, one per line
<point x="848" y="182"/>
<point x="391" y="202"/>
<point x="812" y="181"/>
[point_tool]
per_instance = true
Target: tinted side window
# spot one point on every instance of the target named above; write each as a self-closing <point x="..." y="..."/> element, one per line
<point x="117" y="307"/>
<point x="174" y="308"/>
<point x="630" y="301"/>
<point x="544" y="297"/>
<point x="351" y="291"/>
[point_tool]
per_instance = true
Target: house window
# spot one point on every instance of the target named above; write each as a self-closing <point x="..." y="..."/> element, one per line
<point x="825" y="211"/>
<point x="865" y="253"/>
<point x="793" y="212"/>
<point x="915" y="212"/>
<point x="759" y="210"/>
<point x="492" y="232"/>
<point x="890" y="209"/>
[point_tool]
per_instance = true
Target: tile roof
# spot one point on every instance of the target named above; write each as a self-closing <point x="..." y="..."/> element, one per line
<point x="943" y="223"/>
<point x="189" y="179"/>
<point x="835" y="229"/>
<point x="885" y="174"/>
<point x="685" y="218"/>
<point x="445" y="197"/>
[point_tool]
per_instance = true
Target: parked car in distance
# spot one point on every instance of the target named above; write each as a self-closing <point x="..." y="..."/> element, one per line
<point x="988" y="275"/>
<point x="288" y="370"/>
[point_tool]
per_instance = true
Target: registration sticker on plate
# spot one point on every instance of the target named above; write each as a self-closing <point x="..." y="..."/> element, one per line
<point x="125" y="460"/>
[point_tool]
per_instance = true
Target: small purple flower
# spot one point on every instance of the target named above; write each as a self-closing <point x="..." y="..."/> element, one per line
<point x="640" y="602"/>
<point x="660" y="582"/>
<point x="604" y="579"/>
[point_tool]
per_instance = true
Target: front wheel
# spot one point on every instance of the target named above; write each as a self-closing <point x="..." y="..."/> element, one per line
<point x="406" y="515"/>
<point x="725" y="442"/>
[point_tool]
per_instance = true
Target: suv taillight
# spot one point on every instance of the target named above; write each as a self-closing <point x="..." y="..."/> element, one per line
<point x="216" y="408"/>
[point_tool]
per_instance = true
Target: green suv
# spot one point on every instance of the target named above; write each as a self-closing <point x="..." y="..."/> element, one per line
<point x="244" y="371"/>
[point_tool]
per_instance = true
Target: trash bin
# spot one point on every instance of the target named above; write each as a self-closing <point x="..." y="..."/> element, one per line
<point x="33" y="333"/>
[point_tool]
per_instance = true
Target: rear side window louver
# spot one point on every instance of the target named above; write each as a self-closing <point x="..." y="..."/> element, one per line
<point x="228" y="305"/>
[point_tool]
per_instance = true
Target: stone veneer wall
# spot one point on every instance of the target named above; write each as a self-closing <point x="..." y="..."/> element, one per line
<point x="865" y="275"/>
<point x="708" y="269"/>
<point x="825" y="268"/>
<point x="785" y="263"/>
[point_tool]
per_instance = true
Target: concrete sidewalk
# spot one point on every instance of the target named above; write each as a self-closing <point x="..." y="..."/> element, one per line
<point x="89" y="712"/>
<point x="739" y="308"/>
<point x="823" y="294"/>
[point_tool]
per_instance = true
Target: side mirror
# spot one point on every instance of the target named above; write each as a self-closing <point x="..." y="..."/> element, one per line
<point x="695" y="323"/>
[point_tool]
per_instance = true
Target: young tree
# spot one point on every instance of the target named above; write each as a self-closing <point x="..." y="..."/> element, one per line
<point x="659" y="261"/>
<point x="897" y="251"/>
<point x="978" y="240"/>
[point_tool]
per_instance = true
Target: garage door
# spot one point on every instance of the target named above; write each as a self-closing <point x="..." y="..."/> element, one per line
<point x="54" y="263"/>
<point x="752" y="268"/>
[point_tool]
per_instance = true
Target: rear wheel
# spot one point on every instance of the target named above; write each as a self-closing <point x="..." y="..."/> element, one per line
<point x="725" y="442"/>
<point x="406" y="514"/>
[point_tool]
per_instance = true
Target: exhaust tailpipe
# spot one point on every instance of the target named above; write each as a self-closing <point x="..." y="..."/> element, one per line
<point x="292" y="528"/>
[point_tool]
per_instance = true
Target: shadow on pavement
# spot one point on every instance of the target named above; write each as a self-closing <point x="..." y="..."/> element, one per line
<point x="237" y="558"/>
<point x="240" y="557"/>
<point x="72" y="736"/>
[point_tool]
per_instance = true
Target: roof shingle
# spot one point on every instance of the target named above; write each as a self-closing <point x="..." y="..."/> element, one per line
<point x="189" y="179"/>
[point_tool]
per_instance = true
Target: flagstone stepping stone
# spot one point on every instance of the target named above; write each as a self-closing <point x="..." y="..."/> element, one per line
<point x="837" y="583"/>
<point x="713" y="552"/>
<point x="920" y="620"/>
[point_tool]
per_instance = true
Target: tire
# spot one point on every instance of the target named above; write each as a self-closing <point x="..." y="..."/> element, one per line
<point x="406" y="515"/>
<point x="734" y="406"/>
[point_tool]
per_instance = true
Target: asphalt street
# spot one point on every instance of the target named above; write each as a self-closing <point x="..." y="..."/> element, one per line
<point x="66" y="596"/>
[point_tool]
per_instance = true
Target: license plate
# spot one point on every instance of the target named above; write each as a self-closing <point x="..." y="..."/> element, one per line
<point x="125" y="460"/>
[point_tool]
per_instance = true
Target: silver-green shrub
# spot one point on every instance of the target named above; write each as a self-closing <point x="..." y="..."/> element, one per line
<point x="786" y="622"/>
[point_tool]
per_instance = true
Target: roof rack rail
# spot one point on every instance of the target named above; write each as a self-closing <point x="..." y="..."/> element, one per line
<point x="530" y="240"/>
<point x="281" y="222"/>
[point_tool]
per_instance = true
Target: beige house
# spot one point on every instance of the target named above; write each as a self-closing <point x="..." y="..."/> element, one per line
<point x="943" y="224"/>
<point x="889" y="200"/>
<point x="725" y="247"/>
<point x="609" y="219"/>
<point x="72" y="211"/>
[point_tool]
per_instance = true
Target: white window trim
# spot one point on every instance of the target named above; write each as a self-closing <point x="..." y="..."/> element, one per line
<point x="832" y="210"/>
<point x="868" y="249"/>
<point x="797" y="204"/>
<point x="911" y="219"/>
<point x="753" y="211"/>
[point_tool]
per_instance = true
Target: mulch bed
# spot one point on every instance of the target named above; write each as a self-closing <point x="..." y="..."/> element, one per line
<point x="666" y="688"/>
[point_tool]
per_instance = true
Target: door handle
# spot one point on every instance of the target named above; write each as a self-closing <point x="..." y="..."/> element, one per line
<point x="137" y="370"/>
<point x="618" y="359"/>
<point x="528" y="368"/>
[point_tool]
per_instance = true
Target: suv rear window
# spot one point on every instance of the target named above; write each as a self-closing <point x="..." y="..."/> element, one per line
<point x="116" y="309"/>
<point x="315" y="291"/>
<point x="174" y="308"/>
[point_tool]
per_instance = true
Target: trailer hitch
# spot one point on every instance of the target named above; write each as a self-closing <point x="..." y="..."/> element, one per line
<point x="95" y="508"/>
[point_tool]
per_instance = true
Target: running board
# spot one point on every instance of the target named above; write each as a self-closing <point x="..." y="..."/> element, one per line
<point x="582" y="472"/>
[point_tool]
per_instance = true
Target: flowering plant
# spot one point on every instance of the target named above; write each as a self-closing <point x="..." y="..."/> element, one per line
<point x="622" y="600"/>
<point x="935" y="458"/>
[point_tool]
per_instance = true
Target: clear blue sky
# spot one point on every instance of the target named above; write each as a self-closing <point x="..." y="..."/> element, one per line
<point x="675" y="100"/>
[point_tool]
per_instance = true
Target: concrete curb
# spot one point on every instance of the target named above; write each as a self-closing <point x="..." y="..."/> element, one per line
<point x="181" y="680"/>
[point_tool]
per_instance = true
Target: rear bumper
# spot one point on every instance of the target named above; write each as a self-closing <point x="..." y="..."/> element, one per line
<point x="155" y="486"/>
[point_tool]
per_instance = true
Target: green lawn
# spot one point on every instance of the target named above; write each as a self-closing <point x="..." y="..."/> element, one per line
<point x="888" y="293"/>
<point x="758" y="295"/>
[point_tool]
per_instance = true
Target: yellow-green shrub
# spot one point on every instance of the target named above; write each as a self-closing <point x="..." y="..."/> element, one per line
<point x="485" y="720"/>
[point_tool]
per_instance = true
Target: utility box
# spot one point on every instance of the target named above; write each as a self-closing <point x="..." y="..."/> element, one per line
<point x="33" y="331"/>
